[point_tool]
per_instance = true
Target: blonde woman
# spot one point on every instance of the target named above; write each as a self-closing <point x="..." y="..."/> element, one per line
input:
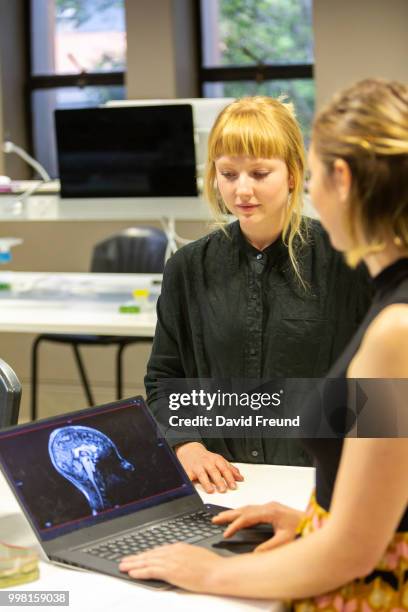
<point x="263" y="297"/>
<point x="353" y="553"/>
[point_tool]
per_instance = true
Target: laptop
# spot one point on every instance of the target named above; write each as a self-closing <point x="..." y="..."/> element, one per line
<point x="102" y="483"/>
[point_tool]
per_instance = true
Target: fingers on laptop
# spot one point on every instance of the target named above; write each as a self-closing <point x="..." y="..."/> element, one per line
<point x="180" y="564"/>
<point x="247" y="516"/>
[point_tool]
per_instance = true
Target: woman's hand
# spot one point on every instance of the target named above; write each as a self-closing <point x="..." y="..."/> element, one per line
<point x="208" y="468"/>
<point x="283" y="519"/>
<point x="183" y="565"/>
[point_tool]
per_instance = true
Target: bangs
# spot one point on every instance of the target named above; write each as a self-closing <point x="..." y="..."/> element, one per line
<point x="248" y="134"/>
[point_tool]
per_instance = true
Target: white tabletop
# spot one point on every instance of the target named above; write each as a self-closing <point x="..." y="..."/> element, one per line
<point x="97" y="593"/>
<point x="48" y="206"/>
<point x="75" y="303"/>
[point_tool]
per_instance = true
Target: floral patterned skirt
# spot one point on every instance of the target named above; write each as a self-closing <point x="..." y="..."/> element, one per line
<point x="385" y="589"/>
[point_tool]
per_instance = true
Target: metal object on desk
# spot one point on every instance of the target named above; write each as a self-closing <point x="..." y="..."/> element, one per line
<point x="10" y="395"/>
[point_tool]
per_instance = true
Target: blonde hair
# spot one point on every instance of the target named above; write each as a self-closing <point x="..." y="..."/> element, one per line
<point x="367" y="126"/>
<point x="260" y="127"/>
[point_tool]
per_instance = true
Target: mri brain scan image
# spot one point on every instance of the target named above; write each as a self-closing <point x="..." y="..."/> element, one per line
<point x="91" y="462"/>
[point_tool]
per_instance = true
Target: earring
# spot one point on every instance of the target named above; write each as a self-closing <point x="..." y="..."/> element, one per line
<point x="397" y="241"/>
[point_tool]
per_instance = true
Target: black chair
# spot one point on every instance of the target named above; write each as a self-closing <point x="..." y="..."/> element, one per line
<point x="10" y="395"/>
<point x="136" y="249"/>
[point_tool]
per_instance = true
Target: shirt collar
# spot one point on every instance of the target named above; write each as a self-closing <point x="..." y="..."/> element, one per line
<point x="277" y="252"/>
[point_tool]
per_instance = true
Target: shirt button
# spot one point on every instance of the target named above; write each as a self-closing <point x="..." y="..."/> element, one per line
<point x="254" y="453"/>
<point x="252" y="351"/>
<point x="259" y="256"/>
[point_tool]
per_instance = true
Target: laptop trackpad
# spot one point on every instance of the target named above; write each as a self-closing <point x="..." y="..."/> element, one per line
<point x="235" y="547"/>
<point x="245" y="540"/>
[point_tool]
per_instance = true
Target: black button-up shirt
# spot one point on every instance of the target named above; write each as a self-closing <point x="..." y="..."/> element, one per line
<point x="228" y="310"/>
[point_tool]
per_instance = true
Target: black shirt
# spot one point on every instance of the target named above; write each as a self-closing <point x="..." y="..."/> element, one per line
<point x="391" y="288"/>
<point x="227" y="310"/>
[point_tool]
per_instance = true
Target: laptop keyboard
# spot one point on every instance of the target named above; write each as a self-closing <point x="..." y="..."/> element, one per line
<point x="190" y="528"/>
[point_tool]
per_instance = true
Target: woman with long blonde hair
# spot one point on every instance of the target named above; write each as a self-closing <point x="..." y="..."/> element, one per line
<point x="263" y="297"/>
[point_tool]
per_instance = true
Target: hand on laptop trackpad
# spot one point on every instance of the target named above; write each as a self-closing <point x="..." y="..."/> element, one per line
<point x="245" y="540"/>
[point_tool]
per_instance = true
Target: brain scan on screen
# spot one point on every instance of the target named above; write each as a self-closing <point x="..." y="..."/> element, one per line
<point x="90" y="460"/>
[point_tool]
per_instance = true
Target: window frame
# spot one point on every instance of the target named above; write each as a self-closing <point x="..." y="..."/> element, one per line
<point x="257" y="73"/>
<point x="56" y="81"/>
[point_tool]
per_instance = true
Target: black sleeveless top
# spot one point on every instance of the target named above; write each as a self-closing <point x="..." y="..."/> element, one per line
<point x="391" y="287"/>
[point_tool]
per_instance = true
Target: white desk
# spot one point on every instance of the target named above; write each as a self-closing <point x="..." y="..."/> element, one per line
<point x="81" y="305"/>
<point x="96" y="593"/>
<point x="50" y="207"/>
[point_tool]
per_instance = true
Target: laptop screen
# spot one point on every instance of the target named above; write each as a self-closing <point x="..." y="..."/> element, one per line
<point x="141" y="151"/>
<point x="76" y="470"/>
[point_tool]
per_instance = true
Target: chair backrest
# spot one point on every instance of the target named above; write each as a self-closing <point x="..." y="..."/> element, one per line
<point x="135" y="249"/>
<point x="10" y="395"/>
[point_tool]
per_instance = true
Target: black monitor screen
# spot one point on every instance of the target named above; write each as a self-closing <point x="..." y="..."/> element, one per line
<point x="132" y="151"/>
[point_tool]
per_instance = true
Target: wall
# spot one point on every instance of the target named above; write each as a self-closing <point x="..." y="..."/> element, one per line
<point x="358" y="39"/>
<point x="160" y="49"/>
<point x="12" y="85"/>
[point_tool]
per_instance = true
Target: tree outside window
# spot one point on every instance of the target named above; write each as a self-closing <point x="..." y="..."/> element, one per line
<point x="259" y="47"/>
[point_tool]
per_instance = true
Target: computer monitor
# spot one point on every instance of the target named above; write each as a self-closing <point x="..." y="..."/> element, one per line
<point x="135" y="151"/>
<point x="205" y="112"/>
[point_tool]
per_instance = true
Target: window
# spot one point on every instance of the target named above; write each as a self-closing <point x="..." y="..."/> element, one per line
<point x="259" y="47"/>
<point x="78" y="58"/>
